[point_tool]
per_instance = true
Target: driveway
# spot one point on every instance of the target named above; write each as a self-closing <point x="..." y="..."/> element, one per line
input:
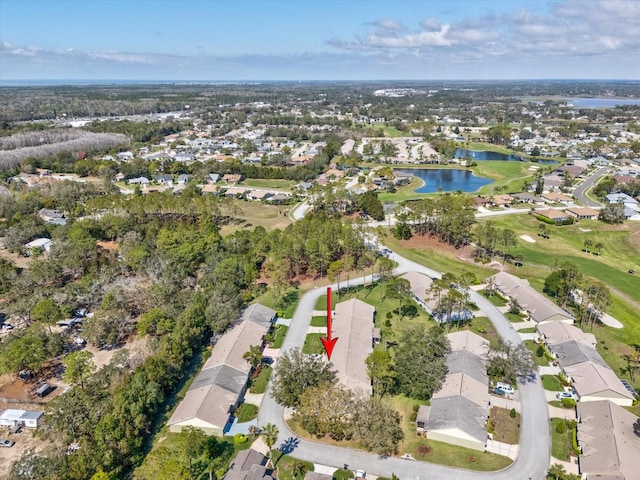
<point x="533" y="459"/>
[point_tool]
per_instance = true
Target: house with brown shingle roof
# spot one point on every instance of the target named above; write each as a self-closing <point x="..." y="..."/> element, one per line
<point x="582" y="213"/>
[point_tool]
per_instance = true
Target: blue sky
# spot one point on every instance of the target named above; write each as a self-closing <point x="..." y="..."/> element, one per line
<point x="318" y="40"/>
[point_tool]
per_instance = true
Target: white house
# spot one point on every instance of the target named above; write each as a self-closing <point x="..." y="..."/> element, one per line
<point x="23" y="418"/>
<point x="44" y="244"/>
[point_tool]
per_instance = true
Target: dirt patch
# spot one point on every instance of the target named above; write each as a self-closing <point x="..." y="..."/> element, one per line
<point x="584" y="230"/>
<point x="15" y="258"/>
<point x="102" y="357"/>
<point x="432" y="243"/>
<point x="110" y="246"/>
<point x="24" y="440"/>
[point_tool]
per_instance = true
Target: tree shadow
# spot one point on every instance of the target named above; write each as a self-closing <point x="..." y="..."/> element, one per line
<point x="287" y="447"/>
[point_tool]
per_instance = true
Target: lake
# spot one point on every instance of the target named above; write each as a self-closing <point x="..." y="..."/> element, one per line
<point x="450" y="179"/>
<point x="489" y="155"/>
<point x="601" y="102"/>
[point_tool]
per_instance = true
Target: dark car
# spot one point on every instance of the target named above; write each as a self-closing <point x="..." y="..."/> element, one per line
<point x="632" y="271"/>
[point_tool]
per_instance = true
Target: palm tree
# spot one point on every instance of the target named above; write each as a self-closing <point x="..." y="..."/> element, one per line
<point x="299" y="469"/>
<point x="557" y="471"/>
<point x="253" y="356"/>
<point x="588" y="243"/>
<point x="269" y="436"/>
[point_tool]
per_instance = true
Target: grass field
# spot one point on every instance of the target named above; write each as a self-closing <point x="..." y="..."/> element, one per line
<point x="559" y="441"/>
<point x="533" y="348"/>
<point x="246" y="412"/>
<point x="312" y="343"/>
<point x="318" y="321"/>
<point x="252" y="214"/>
<point x="278" y="336"/>
<point x="275" y="184"/>
<point x="259" y="384"/>
<point x="508" y="176"/>
<point x="551" y="383"/>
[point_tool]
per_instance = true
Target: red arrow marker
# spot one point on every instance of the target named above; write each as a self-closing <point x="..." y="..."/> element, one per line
<point x="329" y="342"/>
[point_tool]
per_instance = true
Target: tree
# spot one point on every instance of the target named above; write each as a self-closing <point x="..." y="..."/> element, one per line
<point x="79" y="367"/>
<point x="47" y="312"/>
<point x="507" y="239"/>
<point x="294" y="373"/>
<point x="191" y="442"/>
<point x="557" y="471"/>
<point x="420" y="361"/>
<point x="381" y="372"/>
<point x="588" y="243"/>
<point x="599" y="246"/>
<point x="539" y="186"/>
<point x="269" y="435"/>
<point x="326" y="409"/>
<point x="612" y="213"/>
<point x="377" y="427"/>
<point x="253" y="356"/>
<point x="506" y="361"/>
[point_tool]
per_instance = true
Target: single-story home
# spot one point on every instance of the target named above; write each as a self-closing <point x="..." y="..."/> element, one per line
<point x="139" y="181"/>
<point x="44" y="244"/>
<point x="233" y="178"/>
<point x="220" y="386"/>
<point x="539" y="308"/>
<point x="22" y="418"/>
<point x="353" y="324"/>
<point x="594" y="382"/>
<point x="248" y="465"/>
<point x="556" y="333"/>
<point x="582" y="213"/>
<point x="557" y="216"/>
<point x="608" y="439"/>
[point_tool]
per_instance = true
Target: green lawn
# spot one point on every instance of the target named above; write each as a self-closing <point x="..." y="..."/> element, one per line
<point x="312" y="343"/>
<point x="533" y="348"/>
<point x="285" y="465"/>
<point x="558" y="403"/>
<point x="278" y="336"/>
<point x="496" y="300"/>
<point x="259" y="384"/>
<point x="277" y="184"/>
<point x="528" y="330"/>
<point x="560" y="442"/>
<point x="512" y="317"/>
<point x="394" y="132"/>
<point x="290" y="298"/>
<point x="551" y="383"/>
<point x="246" y="412"/>
<point x="318" y="321"/>
<point x="403" y="193"/>
<point x="454" y="456"/>
<point x="251" y="214"/>
<point x="321" y="303"/>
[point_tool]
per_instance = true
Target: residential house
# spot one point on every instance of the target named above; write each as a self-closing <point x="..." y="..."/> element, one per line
<point x="555" y="197"/>
<point x="233" y="178"/>
<point x="220" y="386"/>
<point x="248" y="465"/>
<point x="582" y="213"/>
<point x="557" y="216"/>
<point x="164" y="179"/>
<point x="123" y="156"/>
<point x="53" y="217"/>
<point x="459" y="410"/>
<point x="21" y="418"/>
<point x="214" y="177"/>
<point x="279" y="198"/>
<point x="525" y="197"/>
<point x="183" y="178"/>
<point x="609" y="441"/>
<point x="539" y="308"/>
<point x="258" y="195"/>
<point x="556" y="333"/>
<point x="42" y="244"/>
<point x="620" y="198"/>
<point x="209" y="188"/>
<point x="353" y="324"/>
<point x="235" y="192"/>
<point x="139" y="181"/>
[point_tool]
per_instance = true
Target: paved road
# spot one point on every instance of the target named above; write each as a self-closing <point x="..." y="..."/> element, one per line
<point x="580" y="190"/>
<point x="531" y="464"/>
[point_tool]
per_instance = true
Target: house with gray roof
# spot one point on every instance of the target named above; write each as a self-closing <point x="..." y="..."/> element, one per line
<point x="248" y="465"/>
<point x="219" y="388"/>
<point x="460" y="408"/>
<point x="608" y="439"/>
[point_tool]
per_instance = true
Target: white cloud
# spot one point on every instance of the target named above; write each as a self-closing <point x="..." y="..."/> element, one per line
<point x="389" y="24"/>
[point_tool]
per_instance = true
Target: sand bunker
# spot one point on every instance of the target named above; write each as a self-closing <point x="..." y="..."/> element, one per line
<point x="527" y="238"/>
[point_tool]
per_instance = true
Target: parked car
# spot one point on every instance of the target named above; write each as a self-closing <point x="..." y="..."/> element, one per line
<point x="632" y="271"/>
<point x="561" y="395"/>
<point x="7" y="443"/>
<point x="505" y="387"/>
<point x="498" y="391"/>
<point x="361" y="474"/>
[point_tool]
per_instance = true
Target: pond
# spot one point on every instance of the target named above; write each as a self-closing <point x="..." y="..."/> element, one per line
<point x="602" y="102"/>
<point x="489" y="155"/>
<point x="447" y="179"/>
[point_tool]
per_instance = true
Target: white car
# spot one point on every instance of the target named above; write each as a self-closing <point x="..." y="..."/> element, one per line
<point x="561" y="395"/>
<point x="505" y="387"/>
<point x="361" y="474"/>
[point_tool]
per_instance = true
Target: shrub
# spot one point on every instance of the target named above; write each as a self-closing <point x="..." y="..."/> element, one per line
<point x="240" y="439"/>
<point x="568" y="402"/>
<point x="512" y="413"/>
<point x="540" y="351"/>
<point x="561" y="428"/>
<point x="545" y="220"/>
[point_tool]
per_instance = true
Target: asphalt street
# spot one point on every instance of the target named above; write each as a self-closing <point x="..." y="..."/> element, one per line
<point x="531" y="464"/>
<point x="579" y="192"/>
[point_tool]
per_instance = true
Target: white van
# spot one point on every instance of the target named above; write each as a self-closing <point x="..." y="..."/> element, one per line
<point x="505" y="387"/>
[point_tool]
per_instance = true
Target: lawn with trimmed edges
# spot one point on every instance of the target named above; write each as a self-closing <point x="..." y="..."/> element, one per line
<point x="279" y="333"/>
<point x="506" y="429"/>
<point x="560" y="442"/>
<point x="259" y="384"/>
<point x="312" y="343"/>
<point x="246" y="412"/>
<point x="551" y="383"/>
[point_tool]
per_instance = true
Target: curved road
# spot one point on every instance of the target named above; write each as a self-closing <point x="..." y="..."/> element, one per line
<point x="533" y="459"/>
<point x="579" y="192"/>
